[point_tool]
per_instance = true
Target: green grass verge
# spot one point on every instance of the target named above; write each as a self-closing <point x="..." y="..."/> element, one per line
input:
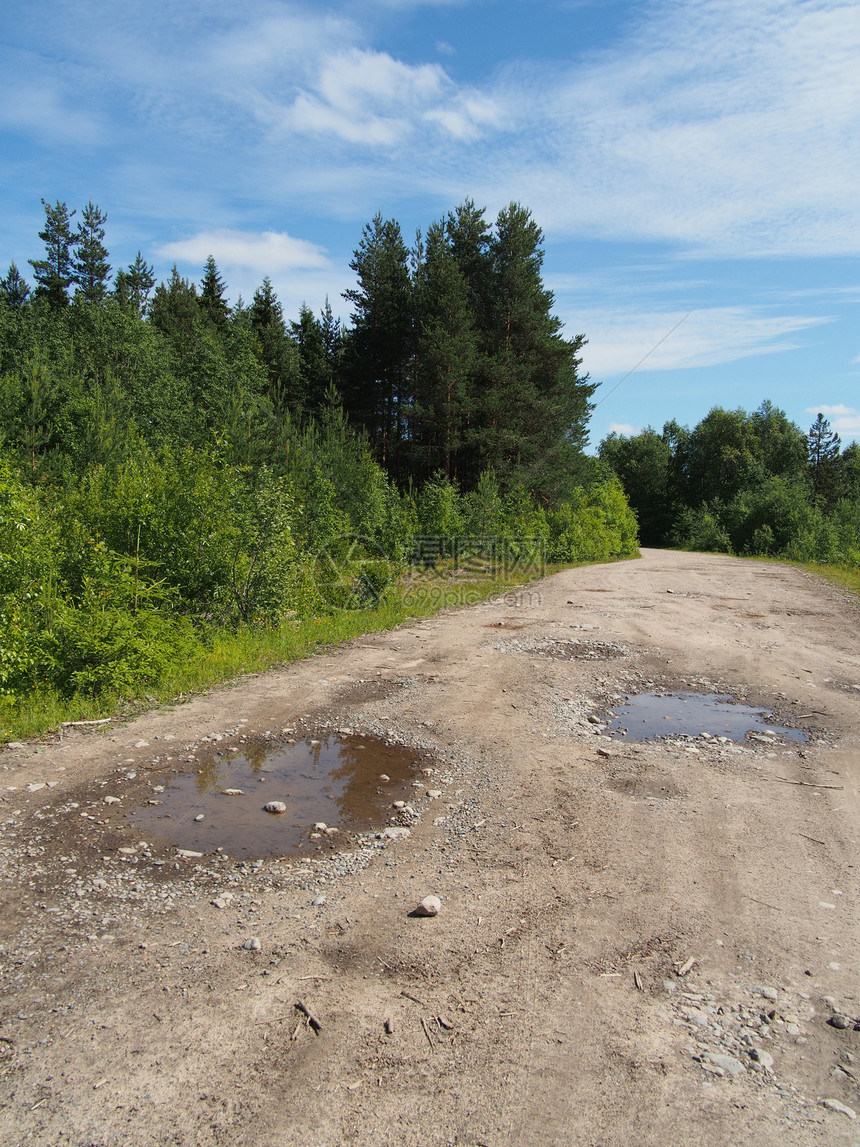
<point x="228" y="655"/>
<point x="846" y="576"/>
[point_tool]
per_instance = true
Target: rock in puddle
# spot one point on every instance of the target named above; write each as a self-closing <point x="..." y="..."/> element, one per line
<point x="275" y="807"/>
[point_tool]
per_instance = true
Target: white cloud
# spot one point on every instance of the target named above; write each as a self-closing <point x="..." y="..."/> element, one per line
<point x="624" y="429"/>
<point x="618" y="340"/>
<point x="837" y="410"/>
<point x="268" y="253"/>
<point x="368" y="98"/>
<point x="843" y="419"/>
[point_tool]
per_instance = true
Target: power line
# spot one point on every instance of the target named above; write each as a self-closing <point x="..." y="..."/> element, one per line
<point x="644" y="356"/>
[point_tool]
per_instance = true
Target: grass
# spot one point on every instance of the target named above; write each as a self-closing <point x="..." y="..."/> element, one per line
<point x="229" y="655"/>
<point x="848" y="577"/>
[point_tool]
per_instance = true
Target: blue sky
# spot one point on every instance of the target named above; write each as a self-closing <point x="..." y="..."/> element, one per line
<point x="689" y="161"/>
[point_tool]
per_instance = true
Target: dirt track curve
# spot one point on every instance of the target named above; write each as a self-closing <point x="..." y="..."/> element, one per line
<point x="553" y="999"/>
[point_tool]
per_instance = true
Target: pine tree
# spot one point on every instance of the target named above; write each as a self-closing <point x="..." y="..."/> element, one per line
<point x="90" y="266"/>
<point x="447" y="347"/>
<point x="332" y="337"/>
<point x="211" y="296"/>
<point x="132" y="285"/>
<point x="55" y="273"/>
<point x="379" y="347"/>
<point x="14" y="289"/>
<point x="534" y="412"/>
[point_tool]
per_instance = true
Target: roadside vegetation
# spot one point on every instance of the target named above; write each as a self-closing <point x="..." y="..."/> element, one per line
<point x="190" y="490"/>
<point x="746" y="483"/>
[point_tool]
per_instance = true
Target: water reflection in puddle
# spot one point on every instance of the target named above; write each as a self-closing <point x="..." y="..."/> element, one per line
<point x="334" y="780"/>
<point x="647" y="715"/>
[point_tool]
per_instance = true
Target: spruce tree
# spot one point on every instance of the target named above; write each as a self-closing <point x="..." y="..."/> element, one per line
<point x="277" y="351"/>
<point x="175" y="308"/>
<point x="314" y="370"/>
<point x="90" y="266"/>
<point x="211" y="296"/>
<point x="823" y="445"/>
<point x="55" y="273"/>
<point x="14" y="289"/>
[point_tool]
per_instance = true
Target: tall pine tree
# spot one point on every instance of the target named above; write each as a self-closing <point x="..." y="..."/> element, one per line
<point x="535" y="409"/>
<point x="132" y="285"/>
<point x="277" y="351"/>
<point x="90" y="266"/>
<point x="55" y="273"/>
<point x="379" y="348"/>
<point x="447" y="345"/>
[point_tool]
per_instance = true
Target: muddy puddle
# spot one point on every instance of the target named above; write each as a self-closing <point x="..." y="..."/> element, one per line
<point x="644" y="716"/>
<point x="344" y="782"/>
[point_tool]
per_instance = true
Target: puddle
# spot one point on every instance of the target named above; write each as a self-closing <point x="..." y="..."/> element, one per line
<point x="332" y="779"/>
<point x="648" y="715"/>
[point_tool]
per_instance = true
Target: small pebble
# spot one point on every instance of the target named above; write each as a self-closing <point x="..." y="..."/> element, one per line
<point x="252" y="944"/>
<point x="429" y="906"/>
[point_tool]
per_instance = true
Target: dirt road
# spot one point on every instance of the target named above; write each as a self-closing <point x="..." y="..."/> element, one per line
<point x="553" y="999"/>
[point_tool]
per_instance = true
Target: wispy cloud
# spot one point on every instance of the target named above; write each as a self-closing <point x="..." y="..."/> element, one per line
<point x="618" y="340"/>
<point x="624" y="429"/>
<point x="694" y="128"/>
<point x="723" y="127"/>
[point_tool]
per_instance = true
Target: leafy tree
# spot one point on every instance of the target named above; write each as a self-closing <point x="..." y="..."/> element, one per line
<point x="211" y="297"/>
<point x="14" y="289"/>
<point x="719" y="458"/>
<point x="90" y="264"/>
<point x="55" y="273"/>
<point x="643" y="465"/>
<point x="781" y="444"/>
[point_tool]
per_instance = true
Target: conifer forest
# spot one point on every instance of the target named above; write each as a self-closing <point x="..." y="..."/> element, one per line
<point x="173" y="466"/>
